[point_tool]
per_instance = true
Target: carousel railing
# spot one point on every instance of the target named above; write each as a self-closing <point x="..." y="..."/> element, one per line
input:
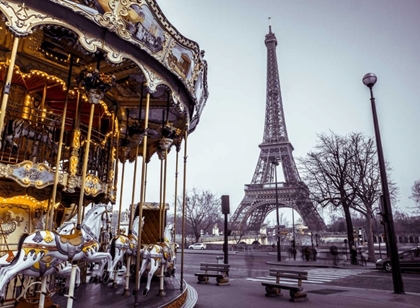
<point x="30" y="135"/>
<point x="33" y="137"/>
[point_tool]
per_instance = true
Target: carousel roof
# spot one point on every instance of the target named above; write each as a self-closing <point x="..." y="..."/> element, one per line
<point x="131" y="40"/>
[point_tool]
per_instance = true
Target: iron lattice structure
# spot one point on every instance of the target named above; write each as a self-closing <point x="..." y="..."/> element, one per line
<point x="260" y="195"/>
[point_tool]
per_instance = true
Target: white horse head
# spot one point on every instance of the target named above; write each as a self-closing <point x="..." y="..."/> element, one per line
<point x="96" y="217"/>
<point x="169" y="232"/>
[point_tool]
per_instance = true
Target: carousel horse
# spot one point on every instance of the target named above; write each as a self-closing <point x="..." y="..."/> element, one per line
<point x="159" y="254"/>
<point x="82" y="244"/>
<point x="47" y="266"/>
<point x="125" y="245"/>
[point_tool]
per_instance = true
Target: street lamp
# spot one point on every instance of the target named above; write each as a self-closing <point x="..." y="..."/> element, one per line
<point x="369" y="80"/>
<point x="276" y="163"/>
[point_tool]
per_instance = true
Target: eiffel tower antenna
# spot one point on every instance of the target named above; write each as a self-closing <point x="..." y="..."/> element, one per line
<point x="275" y="149"/>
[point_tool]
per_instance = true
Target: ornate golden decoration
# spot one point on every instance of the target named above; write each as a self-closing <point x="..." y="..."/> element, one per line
<point x="74" y="161"/>
<point x="9" y="224"/>
<point x="5" y="170"/>
<point x="28" y="173"/>
<point x="48" y="238"/>
<point x="93" y="185"/>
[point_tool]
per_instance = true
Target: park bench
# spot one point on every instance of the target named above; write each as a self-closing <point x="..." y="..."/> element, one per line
<point x="296" y="291"/>
<point x="219" y="271"/>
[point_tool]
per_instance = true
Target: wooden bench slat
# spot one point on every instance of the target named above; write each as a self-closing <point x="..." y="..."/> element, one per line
<point x="281" y="286"/>
<point x="222" y="269"/>
<point x="287" y="271"/>
<point x="209" y="275"/>
<point x="215" y="264"/>
<point x="289" y="276"/>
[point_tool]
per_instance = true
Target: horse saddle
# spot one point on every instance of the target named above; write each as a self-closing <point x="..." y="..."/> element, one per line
<point x="74" y="239"/>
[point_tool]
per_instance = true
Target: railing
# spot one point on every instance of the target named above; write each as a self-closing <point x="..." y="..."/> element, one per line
<point x="32" y="137"/>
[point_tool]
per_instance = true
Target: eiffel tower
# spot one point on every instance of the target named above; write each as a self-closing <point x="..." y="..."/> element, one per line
<point x="276" y="149"/>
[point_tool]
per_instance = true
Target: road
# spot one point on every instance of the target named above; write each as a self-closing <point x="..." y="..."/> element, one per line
<point x="253" y="266"/>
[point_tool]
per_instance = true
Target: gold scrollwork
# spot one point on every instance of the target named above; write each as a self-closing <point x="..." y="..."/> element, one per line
<point x="28" y="173"/>
<point x="92" y="185"/>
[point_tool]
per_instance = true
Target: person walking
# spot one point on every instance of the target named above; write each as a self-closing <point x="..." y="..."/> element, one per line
<point x="334" y="253"/>
<point x="306" y="253"/>
<point x="314" y="253"/>
<point x="353" y="255"/>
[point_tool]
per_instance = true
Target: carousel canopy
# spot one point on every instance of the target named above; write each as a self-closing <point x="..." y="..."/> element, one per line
<point x="127" y="45"/>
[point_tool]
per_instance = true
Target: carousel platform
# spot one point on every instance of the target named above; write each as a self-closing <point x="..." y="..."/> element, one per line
<point x="89" y="295"/>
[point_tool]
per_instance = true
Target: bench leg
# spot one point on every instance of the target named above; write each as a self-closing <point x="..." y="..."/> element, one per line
<point x="298" y="296"/>
<point x="222" y="281"/>
<point x="272" y="291"/>
<point x="203" y="279"/>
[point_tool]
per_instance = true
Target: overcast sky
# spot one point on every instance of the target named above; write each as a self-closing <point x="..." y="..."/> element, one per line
<point x="324" y="49"/>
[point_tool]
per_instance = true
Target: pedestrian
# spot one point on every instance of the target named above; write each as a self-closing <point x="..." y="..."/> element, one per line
<point x="273" y="246"/>
<point x="306" y="253"/>
<point x="353" y="255"/>
<point x="334" y="254"/>
<point x="294" y="251"/>
<point x="314" y="253"/>
<point x="363" y="257"/>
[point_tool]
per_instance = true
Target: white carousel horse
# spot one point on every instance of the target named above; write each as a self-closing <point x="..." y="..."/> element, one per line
<point x="83" y="244"/>
<point x="123" y="244"/>
<point x="48" y="265"/>
<point x="159" y="254"/>
<point x="45" y="267"/>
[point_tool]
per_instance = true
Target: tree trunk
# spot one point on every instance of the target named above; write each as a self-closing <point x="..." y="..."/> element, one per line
<point x="349" y="224"/>
<point x="371" y="248"/>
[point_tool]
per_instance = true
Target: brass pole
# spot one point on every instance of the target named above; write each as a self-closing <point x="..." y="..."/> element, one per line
<point x="85" y="160"/>
<point x="142" y="196"/>
<point x="133" y="192"/>
<point x="121" y="198"/>
<point x="60" y="145"/>
<point x="114" y="163"/>
<point x="176" y="191"/>
<point x="130" y="222"/>
<point x="160" y="201"/>
<point x="8" y="82"/>
<point x="164" y="192"/>
<point x="184" y="200"/>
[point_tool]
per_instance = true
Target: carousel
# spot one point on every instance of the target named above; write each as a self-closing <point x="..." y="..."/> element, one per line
<point x="88" y="86"/>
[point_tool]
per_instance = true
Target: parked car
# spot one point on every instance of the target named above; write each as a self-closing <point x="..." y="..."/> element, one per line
<point x="409" y="260"/>
<point x="201" y="246"/>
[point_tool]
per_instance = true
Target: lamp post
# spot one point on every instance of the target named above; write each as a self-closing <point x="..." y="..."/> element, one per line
<point x="369" y="80"/>
<point x="276" y="163"/>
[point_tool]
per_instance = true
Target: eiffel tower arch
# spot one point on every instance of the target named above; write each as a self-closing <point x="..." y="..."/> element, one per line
<point x="260" y="195"/>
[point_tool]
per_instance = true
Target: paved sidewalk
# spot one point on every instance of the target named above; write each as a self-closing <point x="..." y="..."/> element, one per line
<point x="251" y="294"/>
<point x="320" y="263"/>
<point x="242" y="293"/>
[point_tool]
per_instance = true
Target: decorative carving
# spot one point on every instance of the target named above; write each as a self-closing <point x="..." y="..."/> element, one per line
<point x="22" y="19"/>
<point x="9" y="223"/>
<point x="28" y="173"/>
<point x="93" y="185"/>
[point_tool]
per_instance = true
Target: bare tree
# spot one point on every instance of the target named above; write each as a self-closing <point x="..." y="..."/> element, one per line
<point x="202" y="212"/>
<point x="415" y="194"/>
<point x="366" y="183"/>
<point x="344" y="172"/>
<point x="326" y="171"/>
